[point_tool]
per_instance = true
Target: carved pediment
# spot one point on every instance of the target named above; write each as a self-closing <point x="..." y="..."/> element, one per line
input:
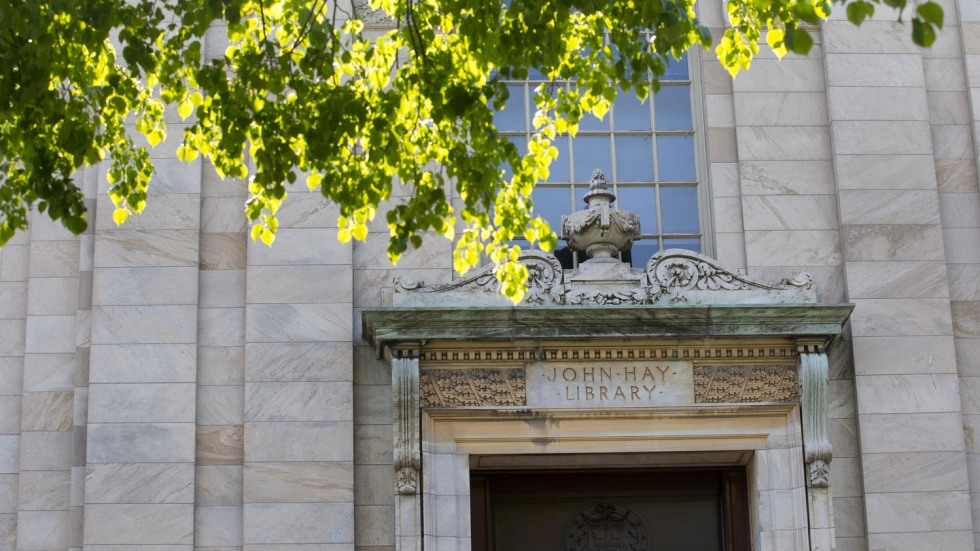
<point x="670" y="277"/>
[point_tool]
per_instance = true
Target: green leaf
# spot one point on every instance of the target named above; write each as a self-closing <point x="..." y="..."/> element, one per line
<point x="932" y="13"/>
<point x="805" y="11"/>
<point x="775" y="40"/>
<point x="298" y="93"/>
<point x="119" y="216"/>
<point x="923" y="33"/>
<point x="799" y="41"/>
<point x="858" y="11"/>
<point x="185" y="108"/>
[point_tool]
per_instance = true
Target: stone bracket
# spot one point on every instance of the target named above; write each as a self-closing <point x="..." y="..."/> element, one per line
<point x="814" y="373"/>
<point x="407" y="451"/>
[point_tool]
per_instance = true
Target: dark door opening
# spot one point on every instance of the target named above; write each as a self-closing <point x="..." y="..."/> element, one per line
<point x="591" y="510"/>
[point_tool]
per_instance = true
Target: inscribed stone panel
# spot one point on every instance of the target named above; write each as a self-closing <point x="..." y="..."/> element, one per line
<point x="609" y="384"/>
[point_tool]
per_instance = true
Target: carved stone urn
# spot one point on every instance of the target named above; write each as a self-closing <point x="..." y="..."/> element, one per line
<point x="600" y="230"/>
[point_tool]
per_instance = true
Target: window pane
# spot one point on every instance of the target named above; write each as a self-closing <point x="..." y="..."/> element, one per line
<point x="550" y="203"/>
<point x="591" y="152"/>
<point x="679" y="209"/>
<point x="634" y="158"/>
<point x="590" y="124"/>
<point x="512" y="116"/>
<point x="642" y="201"/>
<point x="673" y="108"/>
<point x="521" y="143"/>
<point x="676" y="69"/>
<point x="642" y="251"/>
<point x="580" y="192"/>
<point x="676" y="157"/>
<point x="629" y="113"/>
<point x="535" y="74"/>
<point x="690" y="244"/>
<point x="560" y="166"/>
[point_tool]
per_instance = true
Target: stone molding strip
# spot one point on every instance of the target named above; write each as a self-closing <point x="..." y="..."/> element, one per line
<point x="683" y="351"/>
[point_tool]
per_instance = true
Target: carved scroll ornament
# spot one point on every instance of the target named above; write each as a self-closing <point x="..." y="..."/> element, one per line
<point x="407" y="453"/>
<point x="673" y="276"/>
<point x="545" y="281"/>
<point x="817" y="450"/>
<point x="676" y="271"/>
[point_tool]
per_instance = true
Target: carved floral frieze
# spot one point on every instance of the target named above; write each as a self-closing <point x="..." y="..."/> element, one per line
<point x="730" y="384"/>
<point x="472" y="387"/>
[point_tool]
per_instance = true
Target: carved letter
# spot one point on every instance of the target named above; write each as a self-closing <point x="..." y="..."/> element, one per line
<point x="588" y="374"/>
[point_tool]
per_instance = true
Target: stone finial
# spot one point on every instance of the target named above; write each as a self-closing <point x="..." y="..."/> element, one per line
<point x="599" y="192"/>
<point x="600" y="230"/>
<point x="598" y="180"/>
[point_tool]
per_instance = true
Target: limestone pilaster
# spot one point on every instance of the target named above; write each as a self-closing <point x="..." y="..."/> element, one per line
<point x="886" y="157"/>
<point x="140" y="449"/>
<point x="298" y="403"/>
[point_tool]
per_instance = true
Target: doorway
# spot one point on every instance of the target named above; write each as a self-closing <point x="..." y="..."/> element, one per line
<point x="590" y="510"/>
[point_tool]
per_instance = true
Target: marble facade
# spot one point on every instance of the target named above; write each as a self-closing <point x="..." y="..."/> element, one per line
<point x="172" y="386"/>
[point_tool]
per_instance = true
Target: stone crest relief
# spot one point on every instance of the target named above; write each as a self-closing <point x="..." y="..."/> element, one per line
<point x="729" y="384"/>
<point x="606" y="527"/>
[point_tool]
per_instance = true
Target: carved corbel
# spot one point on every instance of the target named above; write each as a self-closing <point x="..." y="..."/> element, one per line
<point x="814" y="373"/>
<point x="405" y="393"/>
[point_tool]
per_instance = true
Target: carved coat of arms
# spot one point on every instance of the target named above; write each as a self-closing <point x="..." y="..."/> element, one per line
<point x="606" y="527"/>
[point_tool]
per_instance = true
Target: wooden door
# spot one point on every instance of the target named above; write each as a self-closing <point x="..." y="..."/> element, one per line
<point x="595" y="510"/>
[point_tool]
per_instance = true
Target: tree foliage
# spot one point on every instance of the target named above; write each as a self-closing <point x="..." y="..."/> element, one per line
<point x="304" y="92"/>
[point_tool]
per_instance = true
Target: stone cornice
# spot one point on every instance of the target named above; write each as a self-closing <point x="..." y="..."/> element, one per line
<point x="384" y="326"/>
<point x="678" y="295"/>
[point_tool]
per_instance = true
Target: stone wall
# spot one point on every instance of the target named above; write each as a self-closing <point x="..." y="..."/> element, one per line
<point x="170" y="385"/>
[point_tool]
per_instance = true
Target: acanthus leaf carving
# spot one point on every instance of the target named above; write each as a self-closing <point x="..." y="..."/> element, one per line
<point x="641" y="295"/>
